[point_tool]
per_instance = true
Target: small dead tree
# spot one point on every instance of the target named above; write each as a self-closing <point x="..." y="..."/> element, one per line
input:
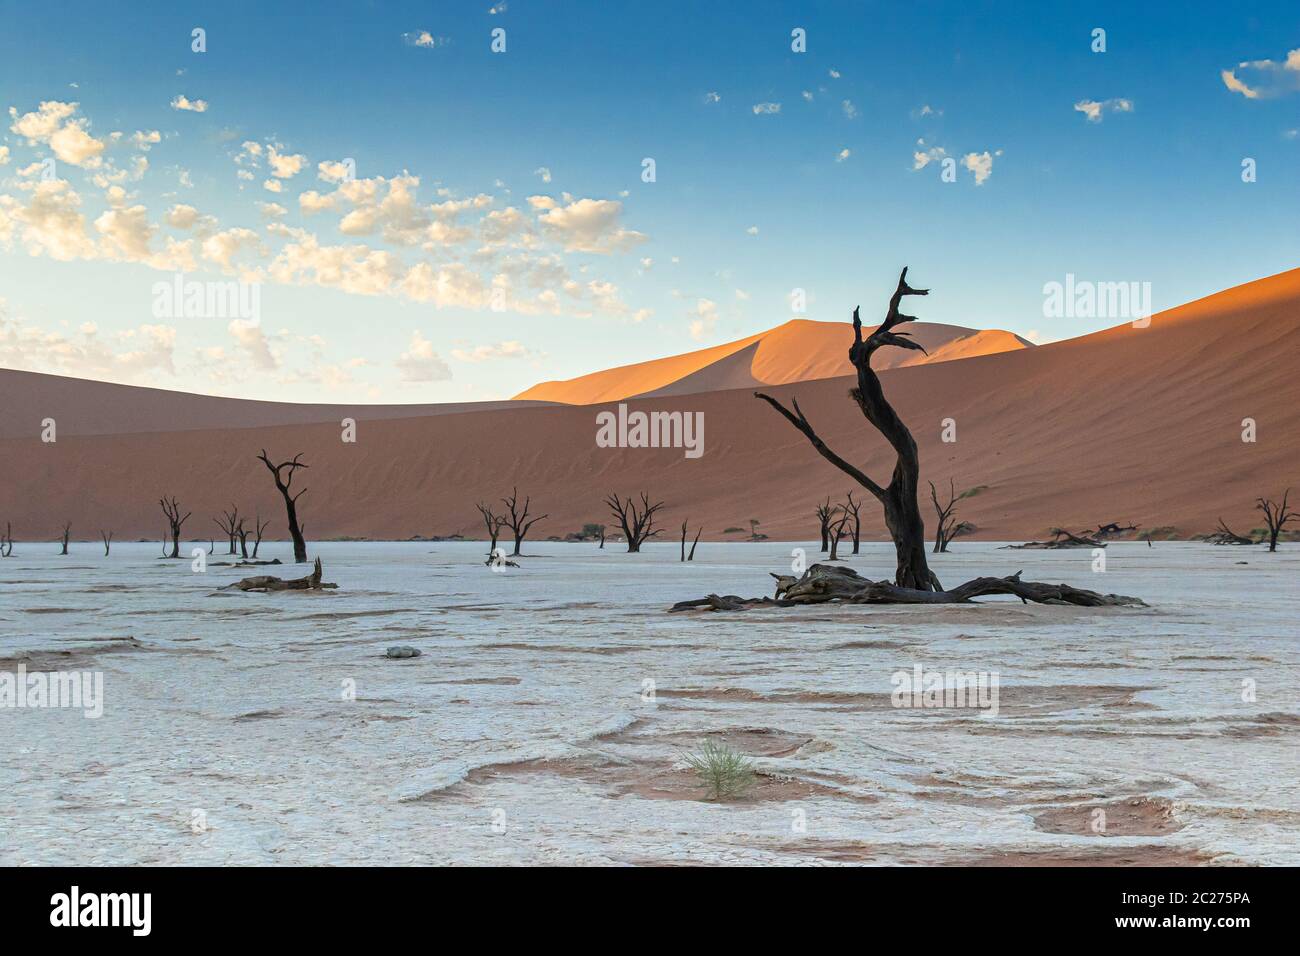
<point x="242" y="532"/>
<point x="493" y="522"/>
<point x="283" y="474"/>
<point x="854" y="509"/>
<point x="637" y="523"/>
<point x="1276" y="516"/>
<point x="174" y="521"/>
<point x="698" y="532"/>
<point x="1225" y="535"/>
<point x="944" y="532"/>
<point x="838" y="528"/>
<point x="260" y="527"/>
<point x="518" y="521"/>
<point x="229" y="525"/>
<point x="824" y="512"/>
<point x="107" y="537"/>
<point x="7" y="541"/>
<point x="67" y="532"/>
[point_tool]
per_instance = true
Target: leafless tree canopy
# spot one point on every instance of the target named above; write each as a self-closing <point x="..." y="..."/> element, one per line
<point x="284" y="474"/>
<point x="898" y="498"/>
<point x="174" y="521"/>
<point x="637" y="522"/>
<point x="824" y="512"/>
<point x="493" y="522"/>
<point x="854" y="508"/>
<point x="698" y="532"/>
<point x="229" y="525"/>
<point x="1276" y="516"/>
<point x="67" y="533"/>
<point x="518" y="520"/>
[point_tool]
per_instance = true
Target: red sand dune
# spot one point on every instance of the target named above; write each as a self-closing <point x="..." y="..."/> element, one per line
<point x="798" y="351"/>
<point x="1140" y="425"/>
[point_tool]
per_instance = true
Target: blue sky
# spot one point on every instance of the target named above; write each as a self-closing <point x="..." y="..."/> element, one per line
<point x="521" y="172"/>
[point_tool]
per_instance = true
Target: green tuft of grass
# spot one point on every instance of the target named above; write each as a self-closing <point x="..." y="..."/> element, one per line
<point x="725" y="774"/>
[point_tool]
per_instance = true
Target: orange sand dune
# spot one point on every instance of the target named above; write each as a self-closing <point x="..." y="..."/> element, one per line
<point x="799" y="350"/>
<point x="1140" y="425"/>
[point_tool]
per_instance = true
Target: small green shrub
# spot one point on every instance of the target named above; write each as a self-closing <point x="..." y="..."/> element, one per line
<point x="725" y="774"/>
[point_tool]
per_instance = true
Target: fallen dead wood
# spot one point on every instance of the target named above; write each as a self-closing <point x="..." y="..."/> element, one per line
<point x="264" y="582"/>
<point x="824" y="583"/>
<point x="1060" y="539"/>
<point x="1225" y="535"/>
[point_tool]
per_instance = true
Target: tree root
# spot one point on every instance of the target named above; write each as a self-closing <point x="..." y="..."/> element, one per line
<point x="264" y="582"/>
<point x="823" y="583"/>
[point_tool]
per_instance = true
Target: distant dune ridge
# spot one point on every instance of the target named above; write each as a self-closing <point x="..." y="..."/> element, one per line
<point x="1127" y="424"/>
<point x="798" y="351"/>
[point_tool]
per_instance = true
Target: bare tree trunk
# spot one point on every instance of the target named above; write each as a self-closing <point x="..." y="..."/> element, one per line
<point x="637" y="523"/>
<point x="283" y="484"/>
<point x="174" y="520"/>
<point x="824" y="520"/>
<point x="260" y="526"/>
<point x="1276" y="516"/>
<point x="229" y="525"/>
<point x="898" y="498"/>
<point x="518" y="521"/>
<point x="67" y="532"/>
<point x="944" y="532"/>
<point x="107" y="536"/>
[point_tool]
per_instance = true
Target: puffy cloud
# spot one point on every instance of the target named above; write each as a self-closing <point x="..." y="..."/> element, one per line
<point x="145" y="140"/>
<point x="925" y="156"/>
<point x="4" y="155"/>
<point x="252" y="342"/>
<point x="53" y="124"/>
<point x="424" y="39"/>
<point x="182" y="102"/>
<point x="590" y="225"/>
<point x="544" y="172"/>
<point x="273" y="186"/>
<point x="712" y="97"/>
<point x="1094" y="110"/>
<point x="850" y="111"/>
<point x="284" y="166"/>
<point x="271" y="210"/>
<point x="332" y="172"/>
<point x="130" y="355"/>
<point x="50" y="222"/>
<point x="181" y="216"/>
<point x="843" y="154"/>
<point x="420" y="363"/>
<point x="126" y="233"/>
<point x="761" y="109"/>
<point x="223" y="247"/>
<point x="980" y="164"/>
<point x="1265" y="79"/>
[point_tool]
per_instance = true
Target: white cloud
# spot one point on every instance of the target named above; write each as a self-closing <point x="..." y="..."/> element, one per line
<point x="420" y="363"/>
<point x="53" y="124"/>
<point x="766" y="108"/>
<point x="712" y="97"/>
<point x="273" y="186"/>
<point x="544" y="172"/>
<point x="284" y="166"/>
<point x="271" y="210"/>
<point x="843" y="154"/>
<point x="980" y="164"/>
<point x="137" y="354"/>
<point x="850" y="111"/>
<point x="182" y="102"/>
<point x="1094" y="110"/>
<point x="424" y="39"/>
<point x="590" y="225"/>
<point x="1265" y="79"/>
<point x="925" y="156"/>
<point x="706" y="318"/>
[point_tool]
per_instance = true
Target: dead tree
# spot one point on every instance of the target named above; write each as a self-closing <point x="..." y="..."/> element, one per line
<point x="824" y="511"/>
<point x="242" y="532"/>
<point x="107" y="536"/>
<point x="259" y="527"/>
<point x="1060" y="539"/>
<point x="282" y="484"/>
<point x="898" y="498"/>
<point x="854" y="508"/>
<point x="518" y="521"/>
<point x="698" y="532"/>
<point x="602" y="536"/>
<point x="229" y="525"/>
<point x="7" y="541"/>
<point x="1110" y="530"/>
<point x="67" y="532"/>
<point x="174" y="521"/>
<point x="637" y="523"/>
<point x="947" y="529"/>
<point x="494" y="523"/>
<point x="1276" y="516"/>
<point x="265" y="582"/>
<point x="1225" y="535"/>
<point x="913" y="583"/>
<point x="838" y="526"/>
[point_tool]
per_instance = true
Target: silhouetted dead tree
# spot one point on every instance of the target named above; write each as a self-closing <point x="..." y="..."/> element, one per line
<point x="854" y="508"/>
<point x="107" y="537"/>
<point x="698" y="532"/>
<point x="67" y="532"/>
<point x="174" y="521"/>
<point x="242" y="533"/>
<point x="1276" y="516"/>
<point x="229" y="525"/>
<point x="898" y="498"/>
<point x="1060" y="539"/>
<point x="7" y="541"/>
<point x="839" y="521"/>
<point x="914" y="583"/>
<point x="637" y="523"/>
<point x="493" y="522"/>
<point x="283" y="484"/>
<point x="259" y="527"/>
<point x="518" y="521"/>
<point x="824" y="519"/>
<point x="1111" y="530"/>
<point x="949" y="527"/>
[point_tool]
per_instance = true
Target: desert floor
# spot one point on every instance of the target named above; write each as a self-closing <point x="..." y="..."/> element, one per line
<point x="548" y="716"/>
